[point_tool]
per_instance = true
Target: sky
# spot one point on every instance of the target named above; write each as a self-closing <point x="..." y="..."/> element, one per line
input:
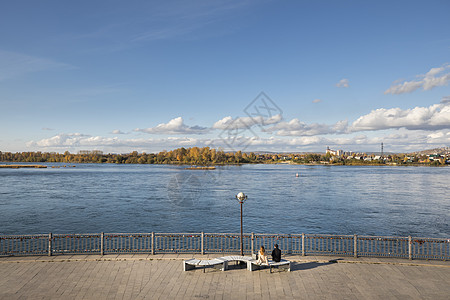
<point x="284" y="76"/>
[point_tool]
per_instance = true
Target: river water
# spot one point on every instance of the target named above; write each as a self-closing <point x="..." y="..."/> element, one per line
<point x="89" y="198"/>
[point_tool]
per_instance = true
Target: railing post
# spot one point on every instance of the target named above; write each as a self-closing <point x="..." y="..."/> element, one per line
<point x="355" y="246"/>
<point x="50" y="237"/>
<point x="289" y="244"/>
<point x="303" y="245"/>
<point x="410" y="247"/>
<point x="153" y="243"/>
<point x="253" y="245"/>
<point x="102" y="238"/>
<point x="203" y="245"/>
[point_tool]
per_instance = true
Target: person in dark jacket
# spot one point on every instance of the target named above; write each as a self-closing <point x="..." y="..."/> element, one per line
<point x="276" y="254"/>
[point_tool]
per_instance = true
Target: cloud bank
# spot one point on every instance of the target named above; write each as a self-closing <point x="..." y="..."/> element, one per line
<point x="435" y="117"/>
<point x="85" y="141"/>
<point x="405" y="129"/>
<point x="400" y="140"/>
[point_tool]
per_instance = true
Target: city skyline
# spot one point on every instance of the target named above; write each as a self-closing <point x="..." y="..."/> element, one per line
<point x="240" y="75"/>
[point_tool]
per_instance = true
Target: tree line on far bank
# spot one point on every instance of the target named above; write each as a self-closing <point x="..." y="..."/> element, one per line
<point x="200" y="156"/>
<point x="194" y="155"/>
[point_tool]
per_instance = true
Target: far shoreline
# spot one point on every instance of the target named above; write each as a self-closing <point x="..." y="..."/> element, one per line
<point x="207" y="157"/>
<point x="212" y="166"/>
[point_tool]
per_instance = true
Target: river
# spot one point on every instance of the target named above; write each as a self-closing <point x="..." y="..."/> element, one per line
<point x="363" y="200"/>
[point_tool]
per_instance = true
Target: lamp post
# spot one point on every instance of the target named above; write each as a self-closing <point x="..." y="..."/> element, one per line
<point x="241" y="197"/>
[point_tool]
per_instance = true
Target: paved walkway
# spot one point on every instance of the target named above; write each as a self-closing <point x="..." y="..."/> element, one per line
<point x="161" y="277"/>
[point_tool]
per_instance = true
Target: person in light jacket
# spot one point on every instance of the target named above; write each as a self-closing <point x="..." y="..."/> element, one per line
<point x="262" y="256"/>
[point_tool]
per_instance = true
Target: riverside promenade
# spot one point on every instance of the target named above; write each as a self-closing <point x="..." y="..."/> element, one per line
<point x="161" y="276"/>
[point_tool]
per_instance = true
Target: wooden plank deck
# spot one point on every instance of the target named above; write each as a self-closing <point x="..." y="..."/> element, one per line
<point x="162" y="277"/>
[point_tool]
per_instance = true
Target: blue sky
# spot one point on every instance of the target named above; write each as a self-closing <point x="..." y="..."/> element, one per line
<point x="151" y="75"/>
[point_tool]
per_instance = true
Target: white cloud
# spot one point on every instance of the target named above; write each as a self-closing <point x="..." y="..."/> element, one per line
<point x="229" y="121"/>
<point x="439" y="138"/>
<point x="427" y="82"/>
<point x="297" y="128"/>
<point x="436" y="116"/>
<point x="343" y="83"/>
<point x="405" y="87"/>
<point x="174" y="126"/>
<point x="316" y="101"/>
<point x="245" y="122"/>
<point x="60" y="140"/>
<point x="340" y="126"/>
<point x="445" y="100"/>
<point x="117" y="131"/>
<point x="15" y="64"/>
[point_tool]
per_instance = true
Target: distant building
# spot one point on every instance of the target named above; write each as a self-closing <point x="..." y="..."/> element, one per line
<point x="334" y="152"/>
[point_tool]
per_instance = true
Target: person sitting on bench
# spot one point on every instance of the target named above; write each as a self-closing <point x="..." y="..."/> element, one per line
<point x="276" y="254"/>
<point x="262" y="257"/>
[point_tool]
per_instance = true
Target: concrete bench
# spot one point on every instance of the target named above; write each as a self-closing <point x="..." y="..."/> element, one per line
<point x="192" y="263"/>
<point x="247" y="259"/>
<point x="223" y="261"/>
<point x="285" y="264"/>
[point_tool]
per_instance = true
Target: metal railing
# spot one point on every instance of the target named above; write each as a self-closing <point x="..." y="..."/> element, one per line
<point x="153" y="243"/>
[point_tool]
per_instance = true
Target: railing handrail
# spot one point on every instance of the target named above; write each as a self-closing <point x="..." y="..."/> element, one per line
<point x="224" y="233"/>
<point x="201" y="242"/>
